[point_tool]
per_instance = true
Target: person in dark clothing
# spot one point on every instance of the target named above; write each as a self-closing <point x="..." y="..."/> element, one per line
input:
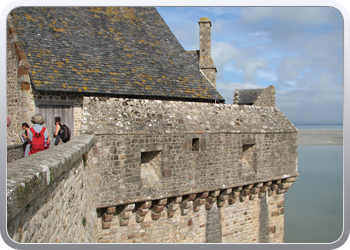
<point x="62" y="132"/>
<point x="25" y="136"/>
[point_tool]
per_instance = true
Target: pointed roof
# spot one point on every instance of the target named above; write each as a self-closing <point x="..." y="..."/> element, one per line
<point x="120" y="51"/>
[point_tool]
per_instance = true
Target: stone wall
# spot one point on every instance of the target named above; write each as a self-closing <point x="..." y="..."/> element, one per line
<point x="14" y="152"/>
<point x="49" y="195"/>
<point x="158" y="171"/>
<point x="239" y="215"/>
<point x="14" y="92"/>
<point x="199" y="147"/>
<point x="267" y="98"/>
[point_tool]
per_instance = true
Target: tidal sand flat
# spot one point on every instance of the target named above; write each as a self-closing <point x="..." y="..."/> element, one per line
<point x="320" y="137"/>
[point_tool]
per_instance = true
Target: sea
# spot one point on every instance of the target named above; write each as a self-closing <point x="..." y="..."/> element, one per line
<point x="314" y="204"/>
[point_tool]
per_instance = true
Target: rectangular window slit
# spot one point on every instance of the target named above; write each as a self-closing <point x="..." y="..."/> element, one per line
<point x="195" y="144"/>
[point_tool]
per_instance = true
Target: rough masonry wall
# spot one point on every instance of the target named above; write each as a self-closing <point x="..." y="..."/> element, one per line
<point x="14" y="152"/>
<point x="245" y="220"/>
<point x="14" y="97"/>
<point x="267" y="97"/>
<point x="201" y="147"/>
<point x="49" y="195"/>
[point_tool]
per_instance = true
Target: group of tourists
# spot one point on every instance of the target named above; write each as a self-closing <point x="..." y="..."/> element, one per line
<point x="37" y="138"/>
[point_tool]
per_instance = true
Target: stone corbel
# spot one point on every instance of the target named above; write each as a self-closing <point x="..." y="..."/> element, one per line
<point x="285" y="184"/>
<point x="185" y="204"/>
<point x="236" y="193"/>
<point x="223" y="196"/>
<point x="158" y="208"/>
<point x="212" y="198"/>
<point x="173" y="206"/>
<point x="142" y="211"/>
<point x="246" y="192"/>
<point x="199" y="201"/>
<point x="265" y="188"/>
<point x="108" y="217"/>
<point x="274" y="186"/>
<point x="125" y="214"/>
<point x="254" y="192"/>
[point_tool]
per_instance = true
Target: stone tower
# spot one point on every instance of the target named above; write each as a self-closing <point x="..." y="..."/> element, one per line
<point x="206" y="64"/>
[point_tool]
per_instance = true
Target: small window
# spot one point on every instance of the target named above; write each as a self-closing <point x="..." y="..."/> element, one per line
<point x="195" y="144"/>
<point x="151" y="169"/>
<point x="249" y="157"/>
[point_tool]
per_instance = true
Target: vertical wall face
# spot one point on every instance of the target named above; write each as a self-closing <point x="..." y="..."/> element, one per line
<point x="206" y="64"/>
<point x="14" y="95"/>
<point x="249" y="219"/>
<point x="63" y="212"/>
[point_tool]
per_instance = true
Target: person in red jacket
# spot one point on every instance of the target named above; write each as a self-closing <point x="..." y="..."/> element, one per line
<point x="39" y="137"/>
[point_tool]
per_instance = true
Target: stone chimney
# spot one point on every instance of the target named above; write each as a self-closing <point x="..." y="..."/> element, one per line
<point x="206" y="64"/>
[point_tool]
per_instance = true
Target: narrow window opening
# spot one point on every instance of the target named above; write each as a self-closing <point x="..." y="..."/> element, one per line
<point x="150" y="168"/>
<point x="249" y="157"/>
<point x="195" y="144"/>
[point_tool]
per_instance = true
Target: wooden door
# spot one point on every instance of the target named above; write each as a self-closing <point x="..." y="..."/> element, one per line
<point x="49" y="112"/>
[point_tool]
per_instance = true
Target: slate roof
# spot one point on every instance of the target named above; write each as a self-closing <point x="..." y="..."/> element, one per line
<point x="120" y="51"/>
<point x="248" y="96"/>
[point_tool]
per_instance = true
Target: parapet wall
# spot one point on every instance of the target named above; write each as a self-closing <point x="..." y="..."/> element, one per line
<point x="14" y="152"/>
<point x="49" y="196"/>
<point x="150" y="150"/>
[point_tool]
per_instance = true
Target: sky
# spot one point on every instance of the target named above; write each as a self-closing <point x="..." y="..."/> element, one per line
<point x="299" y="50"/>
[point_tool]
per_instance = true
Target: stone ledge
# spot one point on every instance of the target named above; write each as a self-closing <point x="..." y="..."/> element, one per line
<point x="29" y="176"/>
<point x="194" y="201"/>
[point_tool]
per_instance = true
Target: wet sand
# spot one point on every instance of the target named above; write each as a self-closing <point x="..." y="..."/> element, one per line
<point x="320" y="137"/>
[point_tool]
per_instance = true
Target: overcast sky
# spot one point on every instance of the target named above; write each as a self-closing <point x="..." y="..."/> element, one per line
<point x="299" y="50"/>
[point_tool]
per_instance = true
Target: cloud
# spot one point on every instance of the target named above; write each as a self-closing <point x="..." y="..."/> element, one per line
<point x="297" y="49"/>
<point x="320" y="103"/>
<point x="250" y="67"/>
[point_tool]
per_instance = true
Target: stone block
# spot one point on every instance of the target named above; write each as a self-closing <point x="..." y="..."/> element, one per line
<point x="285" y="185"/>
<point x="170" y="213"/>
<point x="208" y="205"/>
<point x="220" y="203"/>
<point x="125" y="214"/>
<point x="185" y="211"/>
<point x="198" y="202"/>
<point x="211" y="200"/>
<point x="185" y="204"/>
<point x="245" y="192"/>
<point x="155" y="216"/>
<point x="231" y="201"/>
<point x="167" y="173"/>
<point x="107" y="217"/>
<point x="214" y="193"/>
<point x="196" y="208"/>
<point x="110" y="210"/>
<point x="123" y="222"/>
<point x="157" y="209"/>
<point x="173" y="206"/>
<point x="162" y="202"/>
<point x="203" y="195"/>
<point x="142" y="212"/>
<point x="139" y="218"/>
<point x="146" y="204"/>
<point x="106" y="225"/>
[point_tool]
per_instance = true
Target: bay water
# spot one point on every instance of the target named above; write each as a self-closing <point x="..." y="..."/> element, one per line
<point x="314" y="204"/>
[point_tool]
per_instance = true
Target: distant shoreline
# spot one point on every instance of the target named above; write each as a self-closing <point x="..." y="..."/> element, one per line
<point x="320" y="137"/>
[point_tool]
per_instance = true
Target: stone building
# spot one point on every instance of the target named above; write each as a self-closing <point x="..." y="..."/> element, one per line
<point x="163" y="158"/>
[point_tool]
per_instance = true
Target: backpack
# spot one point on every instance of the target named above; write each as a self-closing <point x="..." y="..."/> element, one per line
<point x="65" y="133"/>
<point x="38" y="141"/>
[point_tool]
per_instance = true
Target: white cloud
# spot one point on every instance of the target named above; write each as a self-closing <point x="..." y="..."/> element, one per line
<point x="250" y="67"/>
